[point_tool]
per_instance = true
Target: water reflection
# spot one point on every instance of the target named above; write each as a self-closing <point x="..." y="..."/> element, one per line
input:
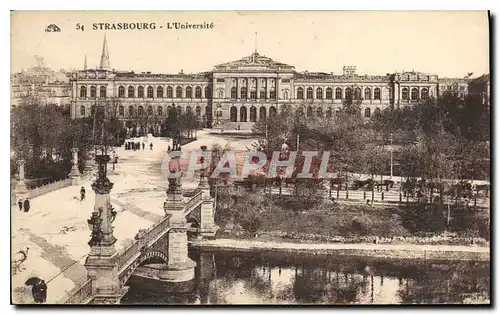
<point x="272" y="278"/>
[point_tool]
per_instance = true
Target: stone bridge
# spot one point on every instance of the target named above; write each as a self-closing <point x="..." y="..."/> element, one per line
<point x="163" y="248"/>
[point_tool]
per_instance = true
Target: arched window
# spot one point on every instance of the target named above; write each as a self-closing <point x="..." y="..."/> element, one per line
<point x="319" y="112"/>
<point x="233" y="114"/>
<point x="243" y="95"/>
<point x="159" y="92"/>
<point x="414" y="94"/>
<point x="140" y="92"/>
<point x="159" y="111"/>
<point x="150" y="111"/>
<point x="329" y="93"/>
<point x="357" y="93"/>
<point x="253" y="94"/>
<point x="207" y="92"/>
<point x="82" y="111"/>
<point x="424" y="94"/>
<point x="234" y="92"/>
<point x="329" y="113"/>
<point x="140" y="111"/>
<point x="178" y="92"/>
<point x="102" y="91"/>
<point x="170" y="92"/>
<point x="220" y="94"/>
<point x="338" y="93"/>
<point x="131" y="91"/>
<point x="253" y="114"/>
<point x="309" y="94"/>
<point x="285" y="95"/>
<point x="150" y="92"/>
<point x="367" y="94"/>
<point x="188" y="109"/>
<point x="189" y="92"/>
<point x="121" y="110"/>
<point x="272" y="112"/>
<point x="243" y="114"/>
<point x="208" y="112"/>
<point x="272" y="94"/>
<point x="376" y="94"/>
<point x="197" y="92"/>
<point x="83" y="91"/>
<point x="300" y="93"/>
<point x="121" y="91"/>
<point x="309" y="111"/>
<point x="262" y="113"/>
<point x="131" y="110"/>
<point x="404" y="94"/>
<point x="367" y="112"/>
<point x="348" y="93"/>
<point x="319" y="93"/>
<point x="377" y="111"/>
<point x="93" y="91"/>
<point x="198" y="111"/>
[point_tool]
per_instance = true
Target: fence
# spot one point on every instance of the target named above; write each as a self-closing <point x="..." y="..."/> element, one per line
<point x="193" y="201"/>
<point x="49" y="187"/>
<point x="81" y="294"/>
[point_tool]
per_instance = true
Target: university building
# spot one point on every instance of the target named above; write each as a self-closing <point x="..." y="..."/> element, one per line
<point x="244" y="91"/>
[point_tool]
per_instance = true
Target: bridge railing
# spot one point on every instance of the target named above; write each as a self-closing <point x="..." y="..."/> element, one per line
<point x="81" y="294"/>
<point x="193" y="201"/>
<point x="48" y="188"/>
<point x="156" y="229"/>
<point x="127" y="254"/>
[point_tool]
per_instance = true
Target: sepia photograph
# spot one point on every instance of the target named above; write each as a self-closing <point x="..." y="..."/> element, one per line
<point x="250" y="158"/>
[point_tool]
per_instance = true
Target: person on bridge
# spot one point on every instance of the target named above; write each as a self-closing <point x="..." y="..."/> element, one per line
<point x="82" y="193"/>
<point x="151" y="146"/>
<point x="26" y="205"/>
<point x="20" y="203"/>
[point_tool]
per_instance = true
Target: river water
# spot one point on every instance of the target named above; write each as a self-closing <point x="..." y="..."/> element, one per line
<point x="279" y="278"/>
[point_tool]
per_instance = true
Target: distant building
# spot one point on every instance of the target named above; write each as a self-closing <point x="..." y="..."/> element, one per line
<point x="40" y="85"/>
<point x="246" y="90"/>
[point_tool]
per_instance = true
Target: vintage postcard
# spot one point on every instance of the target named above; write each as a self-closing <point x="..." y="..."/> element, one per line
<point x="293" y="157"/>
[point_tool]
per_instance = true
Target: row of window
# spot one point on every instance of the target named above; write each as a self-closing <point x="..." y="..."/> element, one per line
<point x="150" y="111"/>
<point x="253" y="94"/>
<point x="150" y="92"/>
<point x="424" y="94"/>
<point x="233" y="113"/>
<point x="338" y="93"/>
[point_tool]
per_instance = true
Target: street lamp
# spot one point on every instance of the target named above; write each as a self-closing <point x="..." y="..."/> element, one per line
<point x="391" y="155"/>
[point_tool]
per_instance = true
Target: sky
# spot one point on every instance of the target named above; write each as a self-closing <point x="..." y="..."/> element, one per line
<point x="446" y="43"/>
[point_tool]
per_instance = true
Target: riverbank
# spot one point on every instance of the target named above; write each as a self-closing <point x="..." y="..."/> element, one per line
<point x="384" y="251"/>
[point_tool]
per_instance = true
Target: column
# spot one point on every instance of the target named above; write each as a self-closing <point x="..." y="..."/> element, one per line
<point x="101" y="262"/>
<point x="75" y="172"/>
<point x="21" y="191"/>
<point x="237" y="88"/>
<point x="258" y="87"/>
<point x="180" y="267"/>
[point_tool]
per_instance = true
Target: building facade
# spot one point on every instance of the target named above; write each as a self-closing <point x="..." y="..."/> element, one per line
<point x="242" y="91"/>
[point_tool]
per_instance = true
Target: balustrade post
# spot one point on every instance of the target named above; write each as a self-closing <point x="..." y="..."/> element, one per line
<point x="208" y="229"/>
<point x="21" y="191"/>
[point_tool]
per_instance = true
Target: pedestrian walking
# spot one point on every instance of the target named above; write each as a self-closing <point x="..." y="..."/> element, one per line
<point x="143" y="145"/>
<point x="151" y="146"/>
<point x="82" y="193"/>
<point x="20" y="203"/>
<point x="26" y="205"/>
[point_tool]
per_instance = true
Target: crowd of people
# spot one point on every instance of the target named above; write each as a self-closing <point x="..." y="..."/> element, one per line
<point x="130" y="145"/>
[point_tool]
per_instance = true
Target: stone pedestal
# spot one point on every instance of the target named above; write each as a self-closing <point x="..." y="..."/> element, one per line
<point x="20" y="191"/>
<point x="180" y="267"/>
<point x="208" y="229"/>
<point x="75" y="174"/>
